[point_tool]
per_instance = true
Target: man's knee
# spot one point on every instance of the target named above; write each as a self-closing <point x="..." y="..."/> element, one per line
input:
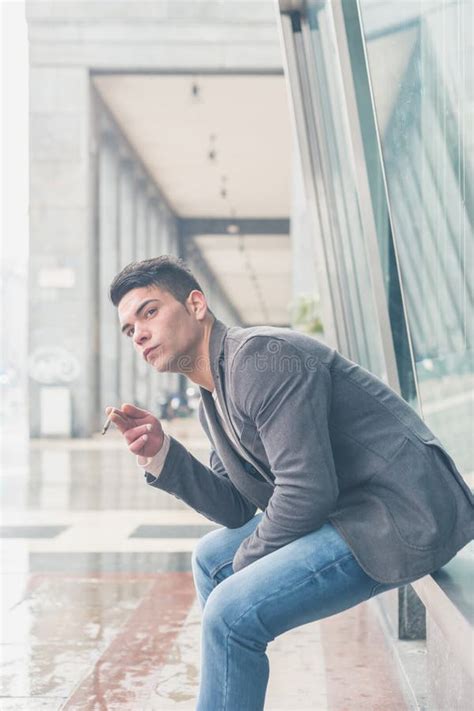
<point x="228" y="611"/>
<point x="204" y="553"/>
<point x="220" y="606"/>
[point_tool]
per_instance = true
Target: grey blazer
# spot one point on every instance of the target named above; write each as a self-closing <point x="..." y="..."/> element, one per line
<point x="321" y="439"/>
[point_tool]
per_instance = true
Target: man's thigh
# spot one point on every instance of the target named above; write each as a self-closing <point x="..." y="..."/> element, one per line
<point x="310" y="578"/>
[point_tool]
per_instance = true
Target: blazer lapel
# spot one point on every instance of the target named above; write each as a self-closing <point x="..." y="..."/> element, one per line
<point x="217" y="364"/>
<point x="256" y="491"/>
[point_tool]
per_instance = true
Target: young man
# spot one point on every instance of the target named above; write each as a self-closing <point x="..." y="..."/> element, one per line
<point x="356" y="494"/>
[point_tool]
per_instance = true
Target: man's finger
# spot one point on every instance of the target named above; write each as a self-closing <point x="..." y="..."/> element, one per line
<point x="109" y="410"/>
<point x="122" y="422"/>
<point x="137" y="446"/>
<point x="132" y="434"/>
<point x="135" y="412"/>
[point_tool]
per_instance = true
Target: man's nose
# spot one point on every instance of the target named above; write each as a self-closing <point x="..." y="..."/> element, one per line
<point x="140" y="335"/>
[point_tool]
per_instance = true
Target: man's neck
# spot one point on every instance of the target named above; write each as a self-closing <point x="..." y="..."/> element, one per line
<point x="201" y="373"/>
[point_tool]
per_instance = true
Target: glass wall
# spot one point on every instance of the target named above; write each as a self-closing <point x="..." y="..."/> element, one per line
<point x="382" y="94"/>
<point x="328" y="163"/>
<point x="422" y="79"/>
<point x="341" y="194"/>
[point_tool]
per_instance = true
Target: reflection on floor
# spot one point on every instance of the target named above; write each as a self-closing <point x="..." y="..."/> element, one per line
<point x="98" y="604"/>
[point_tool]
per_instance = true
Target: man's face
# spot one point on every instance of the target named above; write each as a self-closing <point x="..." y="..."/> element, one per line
<point x="164" y="332"/>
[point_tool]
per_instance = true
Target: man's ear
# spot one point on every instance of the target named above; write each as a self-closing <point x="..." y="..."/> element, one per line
<point x="196" y="303"/>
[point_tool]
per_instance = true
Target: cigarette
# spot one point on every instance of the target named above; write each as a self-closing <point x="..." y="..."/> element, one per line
<point x="107" y="424"/>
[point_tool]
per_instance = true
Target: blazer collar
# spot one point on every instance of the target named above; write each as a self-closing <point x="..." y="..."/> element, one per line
<point x="216" y="351"/>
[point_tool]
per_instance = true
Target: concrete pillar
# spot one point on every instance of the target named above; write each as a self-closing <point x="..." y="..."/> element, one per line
<point x="63" y="291"/>
<point x="108" y="267"/>
<point x="141" y="198"/>
<point x="166" y="242"/>
<point x="152" y="377"/>
<point x="168" y="246"/>
<point x="164" y="246"/>
<point x="126" y="208"/>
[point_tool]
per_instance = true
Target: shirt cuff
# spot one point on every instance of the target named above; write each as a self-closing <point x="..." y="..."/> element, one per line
<point x="155" y="464"/>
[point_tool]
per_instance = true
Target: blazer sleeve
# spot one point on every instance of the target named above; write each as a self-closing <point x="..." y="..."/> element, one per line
<point x="207" y="490"/>
<point x="287" y="394"/>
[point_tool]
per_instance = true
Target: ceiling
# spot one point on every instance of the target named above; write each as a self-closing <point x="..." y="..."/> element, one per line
<point x="243" y="119"/>
<point x="255" y="271"/>
<point x="218" y="146"/>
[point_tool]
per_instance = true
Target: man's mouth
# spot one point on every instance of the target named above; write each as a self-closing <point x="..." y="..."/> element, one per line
<point x="147" y="351"/>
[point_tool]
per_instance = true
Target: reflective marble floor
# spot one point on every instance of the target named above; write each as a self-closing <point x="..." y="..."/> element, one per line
<point x="98" y="605"/>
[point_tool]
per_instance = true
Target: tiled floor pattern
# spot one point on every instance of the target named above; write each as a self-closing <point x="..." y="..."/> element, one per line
<point x="121" y="641"/>
<point x="69" y="531"/>
<point x="98" y="605"/>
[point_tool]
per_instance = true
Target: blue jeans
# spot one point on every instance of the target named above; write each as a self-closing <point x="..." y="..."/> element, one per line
<point x="313" y="577"/>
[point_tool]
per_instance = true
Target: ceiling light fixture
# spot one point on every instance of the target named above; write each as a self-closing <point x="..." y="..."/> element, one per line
<point x="223" y="187"/>
<point x="212" y="153"/>
<point x="195" y="91"/>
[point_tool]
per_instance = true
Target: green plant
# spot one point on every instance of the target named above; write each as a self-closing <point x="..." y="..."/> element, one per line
<point x="304" y="313"/>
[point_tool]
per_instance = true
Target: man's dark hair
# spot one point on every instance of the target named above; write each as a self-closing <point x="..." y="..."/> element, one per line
<point x="167" y="272"/>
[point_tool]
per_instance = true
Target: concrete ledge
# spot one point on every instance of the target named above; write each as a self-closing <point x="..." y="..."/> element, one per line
<point x="449" y="601"/>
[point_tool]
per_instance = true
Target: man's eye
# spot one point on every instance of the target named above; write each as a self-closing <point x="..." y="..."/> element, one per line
<point x="151" y="311"/>
<point x="130" y="332"/>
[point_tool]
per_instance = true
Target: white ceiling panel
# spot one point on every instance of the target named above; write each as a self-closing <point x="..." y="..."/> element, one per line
<point x="243" y="119"/>
<point x="254" y="271"/>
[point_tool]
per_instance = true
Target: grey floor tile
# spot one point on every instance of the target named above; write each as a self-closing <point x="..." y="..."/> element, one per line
<point x="31" y="531"/>
<point x="169" y="531"/>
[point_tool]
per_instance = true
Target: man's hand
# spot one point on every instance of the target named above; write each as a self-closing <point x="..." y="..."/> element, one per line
<point x="142" y="430"/>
